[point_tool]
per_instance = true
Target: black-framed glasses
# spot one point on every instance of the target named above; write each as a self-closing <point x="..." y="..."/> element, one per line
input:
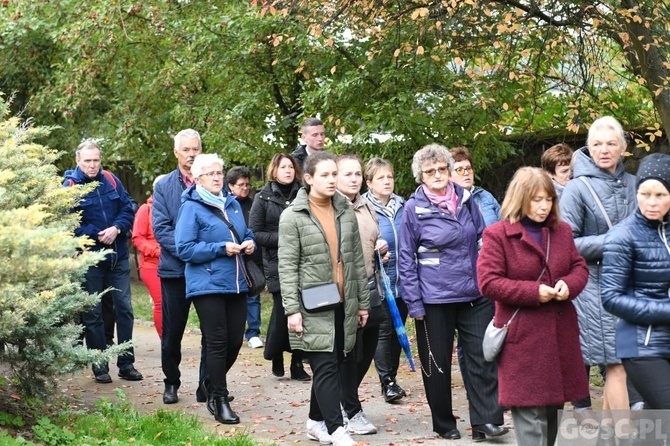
<point x="213" y="174"/>
<point x="431" y="172"/>
<point x="464" y="170"/>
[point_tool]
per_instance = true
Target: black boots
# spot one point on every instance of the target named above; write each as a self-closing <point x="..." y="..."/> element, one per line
<point x="222" y="411"/>
<point x="170" y="394"/>
<point x="298" y="370"/>
<point x="202" y="391"/>
<point x="278" y="366"/>
<point x="391" y="390"/>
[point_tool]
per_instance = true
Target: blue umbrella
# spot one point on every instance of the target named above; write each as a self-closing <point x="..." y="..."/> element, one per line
<point x="395" y="313"/>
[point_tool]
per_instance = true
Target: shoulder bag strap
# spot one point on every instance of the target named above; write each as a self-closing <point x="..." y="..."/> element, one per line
<point x="598" y="202"/>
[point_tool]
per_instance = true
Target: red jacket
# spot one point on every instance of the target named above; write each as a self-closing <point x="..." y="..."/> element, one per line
<point x="541" y="362"/>
<point x="143" y="237"/>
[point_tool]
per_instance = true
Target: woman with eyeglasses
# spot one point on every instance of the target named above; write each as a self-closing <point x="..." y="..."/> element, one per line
<point x="212" y="238"/>
<point x="463" y="174"/>
<point x="440" y="234"/>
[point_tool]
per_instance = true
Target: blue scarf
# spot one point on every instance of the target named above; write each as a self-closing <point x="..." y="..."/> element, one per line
<point x="217" y="201"/>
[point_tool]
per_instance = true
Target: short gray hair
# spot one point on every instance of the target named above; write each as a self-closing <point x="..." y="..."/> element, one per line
<point x="431" y="152"/>
<point x="187" y="133"/>
<point x="608" y="122"/>
<point x="203" y="160"/>
<point x="87" y="144"/>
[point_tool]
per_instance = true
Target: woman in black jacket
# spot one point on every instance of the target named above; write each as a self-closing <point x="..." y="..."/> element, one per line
<point x="269" y="203"/>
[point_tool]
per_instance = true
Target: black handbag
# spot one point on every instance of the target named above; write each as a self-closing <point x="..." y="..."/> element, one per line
<point x="253" y="274"/>
<point x="323" y="297"/>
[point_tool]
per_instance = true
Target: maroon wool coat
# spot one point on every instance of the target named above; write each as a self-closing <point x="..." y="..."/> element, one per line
<point x="541" y="362"/>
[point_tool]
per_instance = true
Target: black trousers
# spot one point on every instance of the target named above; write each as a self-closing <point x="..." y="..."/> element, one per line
<point x="366" y="346"/>
<point x="387" y="355"/>
<point x="222" y="320"/>
<point x="333" y="373"/>
<point x="175" y="308"/>
<point x="651" y="377"/>
<point x="435" y="340"/>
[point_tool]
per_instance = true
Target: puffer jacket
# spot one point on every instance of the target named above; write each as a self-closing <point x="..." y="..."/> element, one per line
<point x="264" y="222"/>
<point x="579" y="209"/>
<point x="438" y="252"/>
<point x="201" y="237"/>
<point x="103" y="207"/>
<point x="488" y="205"/>
<point x="305" y="262"/>
<point x="167" y="201"/>
<point x="635" y="284"/>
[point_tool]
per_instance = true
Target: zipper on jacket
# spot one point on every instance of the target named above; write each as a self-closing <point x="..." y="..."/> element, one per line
<point x="646" y="339"/>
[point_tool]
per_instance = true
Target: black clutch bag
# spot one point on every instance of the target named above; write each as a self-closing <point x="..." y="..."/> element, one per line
<point x="320" y="298"/>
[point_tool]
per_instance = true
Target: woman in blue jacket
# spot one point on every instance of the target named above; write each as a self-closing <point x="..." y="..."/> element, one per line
<point x="635" y="283"/>
<point x="389" y="208"/>
<point x="209" y="227"/>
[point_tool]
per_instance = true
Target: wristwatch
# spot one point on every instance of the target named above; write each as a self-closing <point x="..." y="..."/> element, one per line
<point x="118" y="230"/>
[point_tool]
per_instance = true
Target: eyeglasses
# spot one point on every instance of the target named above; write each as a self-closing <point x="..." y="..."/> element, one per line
<point x="213" y="174"/>
<point x="243" y="185"/>
<point x="464" y="170"/>
<point x="431" y="172"/>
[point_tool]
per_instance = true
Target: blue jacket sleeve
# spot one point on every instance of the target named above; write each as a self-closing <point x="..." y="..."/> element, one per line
<point x="126" y="216"/>
<point x="408" y="245"/>
<point x="163" y="224"/>
<point x="189" y="246"/>
<point x="573" y="210"/>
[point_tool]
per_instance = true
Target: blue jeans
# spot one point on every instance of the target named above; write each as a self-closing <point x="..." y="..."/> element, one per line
<point x="253" y="317"/>
<point x="117" y="277"/>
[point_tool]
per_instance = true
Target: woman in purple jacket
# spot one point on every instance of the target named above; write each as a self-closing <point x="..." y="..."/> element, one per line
<point x="439" y="236"/>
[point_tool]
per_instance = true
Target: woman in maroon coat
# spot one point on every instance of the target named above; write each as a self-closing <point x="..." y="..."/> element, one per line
<point x="529" y="262"/>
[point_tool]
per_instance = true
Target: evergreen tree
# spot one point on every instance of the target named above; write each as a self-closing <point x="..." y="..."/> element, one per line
<point x="42" y="265"/>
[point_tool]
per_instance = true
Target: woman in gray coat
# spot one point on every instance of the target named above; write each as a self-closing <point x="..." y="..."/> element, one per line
<point x="600" y="196"/>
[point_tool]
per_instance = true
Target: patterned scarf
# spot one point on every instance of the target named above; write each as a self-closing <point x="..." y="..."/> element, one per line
<point x="390" y="209"/>
<point x="446" y="202"/>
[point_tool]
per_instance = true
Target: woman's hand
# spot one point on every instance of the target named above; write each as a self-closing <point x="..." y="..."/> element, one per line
<point x="382" y="246"/>
<point x="233" y="249"/>
<point x="562" y="290"/>
<point x="546" y="293"/>
<point x="295" y="323"/>
<point x="248" y="247"/>
<point x="362" y="318"/>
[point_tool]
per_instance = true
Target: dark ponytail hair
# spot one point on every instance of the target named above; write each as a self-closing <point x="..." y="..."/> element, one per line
<point x="309" y="166"/>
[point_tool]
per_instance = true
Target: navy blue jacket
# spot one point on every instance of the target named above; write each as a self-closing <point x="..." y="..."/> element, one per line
<point x="634" y="286"/>
<point x="390" y="231"/>
<point x="201" y="238"/>
<point x="101" y="208"/>
<point x="167" y="201"/>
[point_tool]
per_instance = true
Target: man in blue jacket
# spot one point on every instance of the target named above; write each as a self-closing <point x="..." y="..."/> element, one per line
<point x="106" y="217"/>
<point x="175" y="306"/>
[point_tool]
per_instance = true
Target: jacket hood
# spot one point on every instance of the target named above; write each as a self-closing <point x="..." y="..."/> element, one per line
<point x="78" y="177"/>
<point x="585" y="166"/>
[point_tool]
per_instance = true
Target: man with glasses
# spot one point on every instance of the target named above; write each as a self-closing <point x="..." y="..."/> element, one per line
<point x="239" y="184"/>
<point x="463" y="174"/>
<point x="175" y="306"/>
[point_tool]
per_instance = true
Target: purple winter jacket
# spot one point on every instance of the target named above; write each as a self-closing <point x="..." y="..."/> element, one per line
<point x="438" y="253"/>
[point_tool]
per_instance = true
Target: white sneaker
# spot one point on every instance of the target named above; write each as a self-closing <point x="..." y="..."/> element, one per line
<point x="316" y="430"/>
<point x="255" y="342"/>
<point x="342" y="438"/>
<point x="359" y="424"/>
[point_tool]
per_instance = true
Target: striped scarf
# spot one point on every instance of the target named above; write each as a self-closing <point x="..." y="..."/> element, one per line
<point x="390" y="209"/>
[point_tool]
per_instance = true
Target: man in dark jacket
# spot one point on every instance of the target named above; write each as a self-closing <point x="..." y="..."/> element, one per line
<point x="106" y="217"/>
<point x="175" y="306"/>
<point x="314" y="136"/>
<point x="239" y="184"/>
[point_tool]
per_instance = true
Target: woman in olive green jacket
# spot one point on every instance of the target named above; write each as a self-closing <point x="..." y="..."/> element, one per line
<point x="308" y="257"/>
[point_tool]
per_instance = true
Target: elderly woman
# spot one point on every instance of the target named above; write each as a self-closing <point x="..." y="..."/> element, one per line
<point x="530" y="266"/>
<point x="556" y="161"/>
<point x="319" y="245"/>
<point x="601" y="195"/>
<point x="439" y="236"/>
<point x="635" y="283"/>
<point x="389" y="208"/>
<point x="150" y="251"/>
<point x="211" y="238"/>
<point x="463" y="174"/>
<point x="280" y="191"/>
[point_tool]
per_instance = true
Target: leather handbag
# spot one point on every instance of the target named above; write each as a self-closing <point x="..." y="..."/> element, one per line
<point x="494" y="337"/>
<point x="320" y="298"/>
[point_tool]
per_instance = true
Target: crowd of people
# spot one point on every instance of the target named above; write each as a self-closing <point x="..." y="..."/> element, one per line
<point x="574" y="265"/>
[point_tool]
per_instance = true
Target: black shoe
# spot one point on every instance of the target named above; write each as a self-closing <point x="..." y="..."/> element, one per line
<point x="202" y="391"/>
<point x="299" y="374"/>
<point x="392" y="391"/>
<point x="103" y="378"/>
<point x="170" y="394"/>
<point x="210" y="404"/>
<point x="451" y="435"/>
<point x="222" y="411"/>
<point x="278" y="366"/>
<point x="481" y="431"/>
<point x="131" y="374"/>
